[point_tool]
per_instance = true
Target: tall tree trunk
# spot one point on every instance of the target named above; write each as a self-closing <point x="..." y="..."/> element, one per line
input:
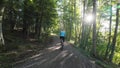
<point x="36" y="24"/>
<point x="94" y="29"/>
<point x="75" y="27"/>
<point x="11" y="12"/>
<point x="40" y="21"/>
<point x="83" y="26"/>
<point x="108" y="46"/>
<point x="70" y="21"/>
<point x="25" y="25"/>
<point x="115" y="35"/>
<point x="25" y="28"/>
<point x="1" y="33"/>
<point x="40" y="26"/>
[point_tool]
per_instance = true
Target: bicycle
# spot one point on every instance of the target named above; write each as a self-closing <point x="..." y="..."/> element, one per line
<point x="62" y="44"/>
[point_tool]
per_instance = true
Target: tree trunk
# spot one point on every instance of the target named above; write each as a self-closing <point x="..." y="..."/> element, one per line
<point x="25" y="22"/>
<point x="75" y="27"/>
<point x="25" y="28"/>
<point x="115" y="36"/>
<point x="94" y="29"/>
<point x="36" y="24"/>
<point x="39" y="26"/>
<point x="83" y="26"/>
<point x="10" y="14"/>
<point x="108" y="46"/>
<point x="1" y="34"/>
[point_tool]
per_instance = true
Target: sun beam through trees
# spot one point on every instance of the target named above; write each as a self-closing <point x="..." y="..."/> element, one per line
<point x="92" y="25"/>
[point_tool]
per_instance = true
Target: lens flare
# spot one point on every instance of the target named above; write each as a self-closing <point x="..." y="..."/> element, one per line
<point x="89" y="18"/>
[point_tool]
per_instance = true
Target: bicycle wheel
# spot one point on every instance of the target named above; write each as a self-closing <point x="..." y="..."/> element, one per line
<point x="62" y="44"/>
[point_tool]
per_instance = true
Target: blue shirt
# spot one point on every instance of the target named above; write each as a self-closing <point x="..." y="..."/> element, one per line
<point x="62" y="33"/>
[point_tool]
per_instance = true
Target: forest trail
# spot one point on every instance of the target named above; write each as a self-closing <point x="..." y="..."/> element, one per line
<point x="53" y="57"/>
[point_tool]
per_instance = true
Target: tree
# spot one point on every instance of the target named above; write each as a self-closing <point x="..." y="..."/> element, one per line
<point x="83" y="26"/>
<point x="115" y="35"/>
<point x="1" y="20"/>
<point x="109" y="41"/>
<point x="94" y="29"/>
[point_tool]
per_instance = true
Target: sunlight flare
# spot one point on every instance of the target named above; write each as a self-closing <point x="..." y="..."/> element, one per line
<point x="89" y="18"/>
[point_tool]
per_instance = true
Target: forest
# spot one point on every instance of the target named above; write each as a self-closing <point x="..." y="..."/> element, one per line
<point x="92" y="26"/>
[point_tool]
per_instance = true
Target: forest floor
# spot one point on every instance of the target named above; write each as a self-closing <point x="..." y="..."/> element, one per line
<point x="53" y="57"/>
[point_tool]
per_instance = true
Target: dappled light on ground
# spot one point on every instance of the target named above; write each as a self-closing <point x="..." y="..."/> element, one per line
<point x="54" y="48"/>
<point x="35" y="56"/>
<point x="53" y="57"/>
<point x="53" y="34"/>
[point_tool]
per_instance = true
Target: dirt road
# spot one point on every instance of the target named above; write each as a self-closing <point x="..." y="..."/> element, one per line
<point x="53" y="57"/>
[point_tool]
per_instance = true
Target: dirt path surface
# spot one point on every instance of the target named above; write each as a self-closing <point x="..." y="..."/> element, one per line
<point x="53" y="57"/>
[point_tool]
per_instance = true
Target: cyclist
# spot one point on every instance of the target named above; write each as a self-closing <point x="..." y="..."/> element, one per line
<point x="62" y="38"/>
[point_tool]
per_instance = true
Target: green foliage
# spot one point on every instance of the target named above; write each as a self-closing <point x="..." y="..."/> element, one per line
<point x="72" y="17"/>
<point x="116" y="58"/>
<point x="28" y="11"/>
<point x="101" y="48"/>
<point x="36" y="19"/>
